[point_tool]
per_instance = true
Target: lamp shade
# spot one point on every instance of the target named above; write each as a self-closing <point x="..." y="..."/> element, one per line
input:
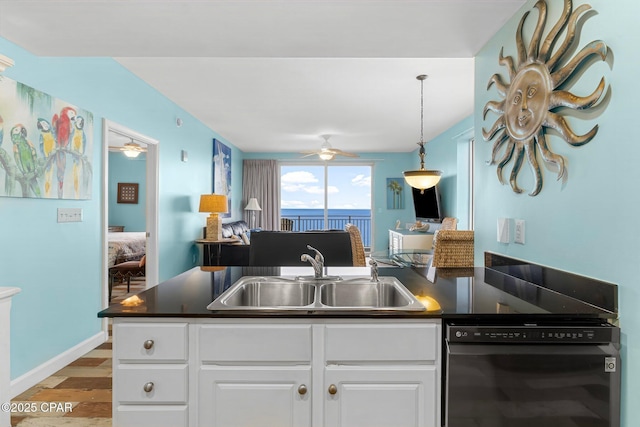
<point x="422" y="179"/>
<point x="253" y="205"/>
<point x="213" y="203"/>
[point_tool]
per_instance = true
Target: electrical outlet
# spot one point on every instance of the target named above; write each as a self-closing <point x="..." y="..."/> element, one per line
<point x="69" y="214"/>
<point x="519" y="234"/>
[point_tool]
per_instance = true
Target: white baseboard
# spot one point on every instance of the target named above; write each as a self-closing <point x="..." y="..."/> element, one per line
<point x="50" y="367"/>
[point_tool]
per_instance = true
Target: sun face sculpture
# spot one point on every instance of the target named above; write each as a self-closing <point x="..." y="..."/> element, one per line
<point x="534" y="99"/>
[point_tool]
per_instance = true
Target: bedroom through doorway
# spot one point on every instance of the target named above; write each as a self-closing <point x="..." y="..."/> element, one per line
<point x="129" y="212"/>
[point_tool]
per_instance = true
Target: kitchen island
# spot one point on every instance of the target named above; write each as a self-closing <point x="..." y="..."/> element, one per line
<point x="176" y="363"/>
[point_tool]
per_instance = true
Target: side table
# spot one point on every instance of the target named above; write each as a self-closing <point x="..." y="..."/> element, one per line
<point x="213" y="257"/>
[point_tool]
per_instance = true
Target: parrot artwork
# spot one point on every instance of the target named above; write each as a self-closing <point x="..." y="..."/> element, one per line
<point x="47" y="148"/>
<point x="62" y="130"/>
<point x="25" y="156"/>
<point x="9" y="169"/>
<point x="78" y="145"/>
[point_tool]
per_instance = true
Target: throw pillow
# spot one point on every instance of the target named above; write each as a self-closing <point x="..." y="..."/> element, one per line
<point x="245" y="238"/>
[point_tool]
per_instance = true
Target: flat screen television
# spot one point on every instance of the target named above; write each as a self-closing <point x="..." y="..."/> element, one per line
<point x="427" y="205"/>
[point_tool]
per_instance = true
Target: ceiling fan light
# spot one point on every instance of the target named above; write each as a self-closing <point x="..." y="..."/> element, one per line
<point x="131" y="153"/>
<point x="326" y="156"/>
<point x="422" y="179"/>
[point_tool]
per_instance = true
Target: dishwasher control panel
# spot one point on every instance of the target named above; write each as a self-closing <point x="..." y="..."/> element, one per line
<point x="514" y="334"/>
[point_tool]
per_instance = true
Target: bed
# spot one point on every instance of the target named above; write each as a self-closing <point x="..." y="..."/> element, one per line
<point x="126" y="246"/>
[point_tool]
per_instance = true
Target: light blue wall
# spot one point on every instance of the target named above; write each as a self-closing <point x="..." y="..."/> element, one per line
<point x="588" y="224"/>
<point x="443" y="153"/>
<point x="130" y="170"/>
<point x="59" y="266"/>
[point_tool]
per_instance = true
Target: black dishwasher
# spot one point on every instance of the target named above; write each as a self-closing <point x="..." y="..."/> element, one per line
<point x="532" y="375"/>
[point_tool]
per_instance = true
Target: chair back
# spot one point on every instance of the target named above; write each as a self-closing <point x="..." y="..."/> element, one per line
<point x="453" y="248"/>
<point x="357" y="247"/>
<point x="286" y="224"/>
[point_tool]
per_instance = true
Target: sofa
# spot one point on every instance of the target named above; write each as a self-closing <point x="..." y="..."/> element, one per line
<point x="278" y="248"/>
<point x="284" y="248"/>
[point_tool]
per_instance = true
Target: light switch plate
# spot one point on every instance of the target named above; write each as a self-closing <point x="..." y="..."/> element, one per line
<point x="503" y="230"/>
<point x="69" y="214"/>
<point x="519" y="231"/>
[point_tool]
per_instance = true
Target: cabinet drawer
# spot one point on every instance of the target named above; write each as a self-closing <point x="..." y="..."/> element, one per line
<point x="168" y="384"/>
<point x="255" y="343"/>
<point x="166" y="341"/>
<point x="381" y="342"/>
<point x="151" y="416"/>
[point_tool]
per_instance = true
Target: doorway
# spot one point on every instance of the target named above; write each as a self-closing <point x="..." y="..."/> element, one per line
<point x="151" y="202"/>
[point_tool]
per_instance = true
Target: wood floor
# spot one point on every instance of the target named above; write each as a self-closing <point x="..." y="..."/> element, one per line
<point x="79" y="395"/>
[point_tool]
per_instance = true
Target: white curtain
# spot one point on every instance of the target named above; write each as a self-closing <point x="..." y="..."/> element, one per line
<point x="261" y="179"/>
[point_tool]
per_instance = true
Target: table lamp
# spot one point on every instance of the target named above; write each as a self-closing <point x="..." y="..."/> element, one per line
<point x="253" y="206"/>
<point x="215" y="204"/>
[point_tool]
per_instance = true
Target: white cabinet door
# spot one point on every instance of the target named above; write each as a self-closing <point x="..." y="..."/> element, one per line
<point x="382" y="396"/>
<point x="267" y="396"/>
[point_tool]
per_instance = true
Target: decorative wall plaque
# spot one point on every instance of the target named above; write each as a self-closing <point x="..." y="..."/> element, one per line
<point x="127" y="192"/>
<point x="533" y="100"/>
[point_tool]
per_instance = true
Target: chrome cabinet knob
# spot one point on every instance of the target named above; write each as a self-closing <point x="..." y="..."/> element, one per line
<point x="148" y="387"/>
<point x="148" y="344"/>
<point x="333" y="389"/>
<point x="302" y="389"/>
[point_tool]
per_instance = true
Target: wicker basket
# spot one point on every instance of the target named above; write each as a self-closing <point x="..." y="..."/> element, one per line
<point x="453" y="248"/>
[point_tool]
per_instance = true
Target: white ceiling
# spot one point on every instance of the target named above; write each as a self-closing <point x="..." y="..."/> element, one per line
<point x="273" y="75"/>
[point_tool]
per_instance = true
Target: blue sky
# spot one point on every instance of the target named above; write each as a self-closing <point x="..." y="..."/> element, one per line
<point x="302" y="187"/>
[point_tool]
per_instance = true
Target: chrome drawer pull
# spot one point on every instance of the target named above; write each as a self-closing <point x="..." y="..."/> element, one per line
<point x="302" y="389"/>
<point x="148" y="344"/>
<point x="333" y="389"/>
<point x="148" y="387"/>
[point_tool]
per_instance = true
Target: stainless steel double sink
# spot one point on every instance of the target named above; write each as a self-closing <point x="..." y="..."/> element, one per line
<point x="258" y="293"/>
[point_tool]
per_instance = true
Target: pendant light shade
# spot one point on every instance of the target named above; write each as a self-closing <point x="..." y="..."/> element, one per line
<point x="422" y="178"/>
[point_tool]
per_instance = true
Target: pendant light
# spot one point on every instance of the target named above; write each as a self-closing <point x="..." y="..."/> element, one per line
<point x="422" y="179"/>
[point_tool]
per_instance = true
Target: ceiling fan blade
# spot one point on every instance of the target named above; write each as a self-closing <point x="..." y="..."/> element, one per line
<point x="307" y="154"/>
<point x="345" y="153"/>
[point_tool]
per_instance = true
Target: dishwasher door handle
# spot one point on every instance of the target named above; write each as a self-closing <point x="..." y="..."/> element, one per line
<point x="605" y="350"/>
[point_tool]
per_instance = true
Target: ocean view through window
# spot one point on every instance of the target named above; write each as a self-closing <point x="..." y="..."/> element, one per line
<point x="323" y="197"/>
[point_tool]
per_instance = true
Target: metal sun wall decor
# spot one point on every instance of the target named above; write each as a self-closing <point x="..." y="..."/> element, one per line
<point x="534" y="99"/>
<point x="46" y="145"/>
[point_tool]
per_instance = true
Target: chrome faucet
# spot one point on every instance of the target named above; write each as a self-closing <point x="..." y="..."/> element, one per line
<point x="317" y="263"/>
<point x="374" y="270"/>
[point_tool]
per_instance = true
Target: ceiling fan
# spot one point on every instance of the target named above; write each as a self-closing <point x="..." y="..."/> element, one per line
<point x="130" y="149"/>
<point x="326" y="152"/>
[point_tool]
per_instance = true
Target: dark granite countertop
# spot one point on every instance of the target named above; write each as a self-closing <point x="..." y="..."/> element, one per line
<point x="475" y="293"/>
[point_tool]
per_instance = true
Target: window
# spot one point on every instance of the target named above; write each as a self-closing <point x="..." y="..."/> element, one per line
<point x="322" y="197"/>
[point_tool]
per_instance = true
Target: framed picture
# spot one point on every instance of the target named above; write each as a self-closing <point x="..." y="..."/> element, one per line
<point x="46" y="148"/>
<point x="222" y="173"/>
<point x="127" y="192"/>
<point x="395" y="193"/>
